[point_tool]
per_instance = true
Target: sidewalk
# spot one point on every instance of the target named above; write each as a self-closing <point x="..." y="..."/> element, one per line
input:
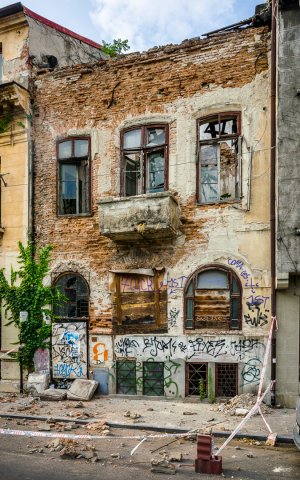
<point x="151" y="411"/>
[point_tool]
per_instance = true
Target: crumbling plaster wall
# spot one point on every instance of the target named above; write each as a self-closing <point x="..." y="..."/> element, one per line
<point x="176" y="85"/>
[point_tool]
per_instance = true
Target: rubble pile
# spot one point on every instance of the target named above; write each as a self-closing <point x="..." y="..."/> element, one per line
<point x="240" y="405"/>
<point x="70" y="449"/>
<point x="98" y="427"/>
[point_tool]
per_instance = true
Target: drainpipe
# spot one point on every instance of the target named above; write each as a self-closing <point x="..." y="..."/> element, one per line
<point x="273" y="193"/>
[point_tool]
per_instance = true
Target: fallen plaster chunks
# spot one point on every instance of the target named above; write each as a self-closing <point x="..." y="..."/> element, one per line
<point x="163" y="466"/>
<point x="53" y="394"/>
<point x="82" y="390"/>
<point x="132" y="415"/>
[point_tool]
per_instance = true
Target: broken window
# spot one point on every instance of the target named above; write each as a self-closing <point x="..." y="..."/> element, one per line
<point x="74" y="176"/>
<point x="140" y="302"/>
<point x="226" y="379"/>
<point x="76" y="291"/>
<point x="195" y="373"/>
<point x="219" y="158"/>
<point x="213" y="300"/>
<point x="144" y="162"/>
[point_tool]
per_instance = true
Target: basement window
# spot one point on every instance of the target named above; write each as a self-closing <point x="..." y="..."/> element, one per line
<point x="144" y="160"/>
<point x="219" y="158"/>
<point x="73" y="156"/>
<point x="213" y="300"/>
<point x="226" y="379"/>
<point x="140" y="303"/>
<point x="196" y="373"/>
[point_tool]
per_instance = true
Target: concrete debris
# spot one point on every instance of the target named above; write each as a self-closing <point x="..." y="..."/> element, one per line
<point x="44" y="427"/>
<point x="71" y="450"/>
<point x="244" y="401"/>
<point x="133" y="415"/>
<point x="115" y="455"/>
<point x="99" y="427"/>
<point x="38" y="380"/>
<point x="82" y="390"/>
<point x="241" y="412"/>
<point x="162" y="466"/>
<point x="53" y="394"/>
<point x="177" y="457"/>
<point x="79" y="405"/>
<point x="189" y="413"/>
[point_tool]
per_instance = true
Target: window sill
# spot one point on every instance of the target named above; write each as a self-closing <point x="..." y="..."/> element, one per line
<point x="221" y="202"/>
<point x="212" y="332"/>
<point x="74" y="215"/>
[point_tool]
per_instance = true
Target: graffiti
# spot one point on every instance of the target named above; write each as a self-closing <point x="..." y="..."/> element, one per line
<point x="251" y="371"/>
<point x="214" y="348"/>
<point x="258" y="320"/>
<point x="255" y="302"/>
<point x="136" y="284"/>
<point x="174" y="285"/>
<point x="100" y="353"/>
<point x="69" y="356"/>
<point x="173" y="316"/>
<point x="167" y="348"/>
<point x="171" y="368"/>
<point x="242" y="271"/>
<point x="126" y="346"/>
<point x="240" y="348"/>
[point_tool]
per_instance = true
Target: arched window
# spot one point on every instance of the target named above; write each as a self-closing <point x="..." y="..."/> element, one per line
<point x="213" y="299"/>
<point x="76" y="290"/>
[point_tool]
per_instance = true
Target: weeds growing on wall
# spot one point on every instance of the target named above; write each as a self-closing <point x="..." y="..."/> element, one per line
<point x="202" y="389"/>
<point x="116" y="48"/>
<point x="211" y="393"/>
<point x="26" y="292"/>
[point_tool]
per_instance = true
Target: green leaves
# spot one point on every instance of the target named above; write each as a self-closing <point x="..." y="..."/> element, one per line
<point x="26" y="292"/>
<point x="116" y="48"/>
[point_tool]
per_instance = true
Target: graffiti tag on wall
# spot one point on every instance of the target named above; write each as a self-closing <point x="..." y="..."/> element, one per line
<point x="69" y="355"/>
<point x="187" y="348"/>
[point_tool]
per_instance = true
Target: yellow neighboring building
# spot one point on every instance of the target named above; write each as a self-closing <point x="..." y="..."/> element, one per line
<point x="27" y="41"/>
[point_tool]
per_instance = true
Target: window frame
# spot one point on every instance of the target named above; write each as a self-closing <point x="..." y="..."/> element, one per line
<point x="193" y="278"/>
<point x="143" y="149"/>
<point x="212" y="141"/>
<point x="74" y="161"/>
<point x="73" y="319"/>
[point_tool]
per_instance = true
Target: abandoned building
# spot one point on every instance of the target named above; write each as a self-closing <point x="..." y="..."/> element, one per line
<point x="27" y="41"/>
<point x="152" y="184"/>
<point x="162" y="180"/>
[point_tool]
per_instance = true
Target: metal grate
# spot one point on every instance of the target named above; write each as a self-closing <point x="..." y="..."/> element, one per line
<point x="194" y="373"/>
<point x="126" y="377"/>
<point x="153" y="378"/>
<point x="226" y="379"/>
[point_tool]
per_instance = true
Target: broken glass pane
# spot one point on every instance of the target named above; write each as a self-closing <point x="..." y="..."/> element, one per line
<point x="81" y="148"/>
<point x="209" y="129"/>
<point x="228" y="169"/>
<point x="229" y="125"/>
<point x="209" y="154"/>
<point x="132" y="174"/>
<point x="65" y="149"/>
<point x="132" y="139"/>
<point x="155" y="172"/>
<point x="155" y="136"/>
<point x="209" y="184"/>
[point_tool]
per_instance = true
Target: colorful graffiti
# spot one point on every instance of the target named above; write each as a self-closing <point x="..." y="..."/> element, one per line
<point x="69" y="354"/>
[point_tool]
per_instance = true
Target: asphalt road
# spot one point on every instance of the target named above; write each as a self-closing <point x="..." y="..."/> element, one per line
<point x="241" y="460"/>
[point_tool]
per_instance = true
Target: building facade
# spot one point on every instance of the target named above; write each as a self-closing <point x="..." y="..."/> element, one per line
<point x="152" y="185"/>
<point x="27" y="41"/>
<point x="288" y="196"/>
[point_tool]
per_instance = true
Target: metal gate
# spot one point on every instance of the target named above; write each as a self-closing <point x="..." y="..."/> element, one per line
<point x="153" y="378"/>
<point x="226" y="379"/>
<point x="126" y="377"/>
<point x="194" y="373"/>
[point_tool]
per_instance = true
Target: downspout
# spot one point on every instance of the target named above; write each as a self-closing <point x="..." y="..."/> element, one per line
<point x="273" y="193"/>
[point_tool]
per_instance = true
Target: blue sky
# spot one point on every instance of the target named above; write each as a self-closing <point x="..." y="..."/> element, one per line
<point x="145" y="23"/>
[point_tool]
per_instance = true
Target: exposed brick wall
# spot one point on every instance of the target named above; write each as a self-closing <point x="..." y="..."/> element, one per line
<point x="102" y="96"/>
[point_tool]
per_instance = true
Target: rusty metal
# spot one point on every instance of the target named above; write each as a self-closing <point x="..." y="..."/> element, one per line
<point x="194" y="373"/>
<point x="226" y="379"/>
<point x="205" y="461"/>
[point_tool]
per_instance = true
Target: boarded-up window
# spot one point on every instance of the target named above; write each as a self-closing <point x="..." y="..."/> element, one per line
<point x="213" y="300"/>
<point x="140" y="303"/>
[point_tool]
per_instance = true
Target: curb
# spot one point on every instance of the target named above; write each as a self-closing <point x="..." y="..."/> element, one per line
<point x="287" y="439"/>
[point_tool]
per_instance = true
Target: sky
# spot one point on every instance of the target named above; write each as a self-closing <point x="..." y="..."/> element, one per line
<point x="145" y="23"/>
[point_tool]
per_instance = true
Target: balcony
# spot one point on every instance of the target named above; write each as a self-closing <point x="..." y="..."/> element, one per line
<point x="153" y="216"/>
